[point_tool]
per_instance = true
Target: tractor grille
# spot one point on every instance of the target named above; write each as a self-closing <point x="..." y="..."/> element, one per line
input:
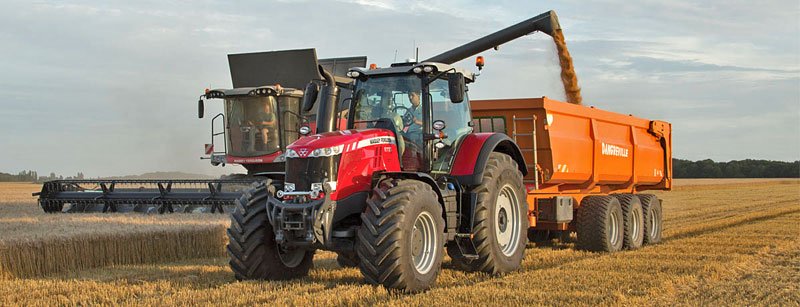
<point x="305" y="171"/>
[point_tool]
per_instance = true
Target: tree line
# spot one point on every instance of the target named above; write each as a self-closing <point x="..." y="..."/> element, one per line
<point x="735" y="169"/>
<point x="33" y="176"/>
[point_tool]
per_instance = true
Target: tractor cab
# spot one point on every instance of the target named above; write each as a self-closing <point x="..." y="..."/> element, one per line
<point x="256" y="126"/>
<point x="424" y="104"/>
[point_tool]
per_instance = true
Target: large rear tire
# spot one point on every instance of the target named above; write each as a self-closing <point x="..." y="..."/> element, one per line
<point x="501" y="220"/>
<point x="401" y="239"/>
<point x="634" y="220"/>
<point x="253" y="252"/>
<point x="600" y="224"/>
<point x="653" y="226"/>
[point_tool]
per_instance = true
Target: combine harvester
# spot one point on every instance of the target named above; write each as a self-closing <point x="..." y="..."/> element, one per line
<point x="393" y="191"/>
<point x="262" y="115"/>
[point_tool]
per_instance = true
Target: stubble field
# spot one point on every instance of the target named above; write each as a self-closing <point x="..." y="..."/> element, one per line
<point x="725" y="242"/>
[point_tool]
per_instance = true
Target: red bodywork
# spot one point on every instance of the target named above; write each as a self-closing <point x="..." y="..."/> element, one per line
<point x="364" y="152"/>
<point x="468" y="153"/>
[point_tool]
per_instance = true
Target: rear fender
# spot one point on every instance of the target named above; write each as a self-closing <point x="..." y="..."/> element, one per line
<point x="473" y="154"/>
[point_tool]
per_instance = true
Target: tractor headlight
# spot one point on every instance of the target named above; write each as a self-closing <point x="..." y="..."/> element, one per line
<point x="428" y="69"/>
<point x="290" y="153"/>
<point x="327" y="152"/>
<point x="417" y="70"/>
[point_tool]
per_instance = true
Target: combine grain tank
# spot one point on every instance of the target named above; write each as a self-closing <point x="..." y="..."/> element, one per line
<point x="574" y="152"/>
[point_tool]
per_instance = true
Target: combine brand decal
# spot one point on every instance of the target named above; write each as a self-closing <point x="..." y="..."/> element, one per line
<point x="614" y="150"/>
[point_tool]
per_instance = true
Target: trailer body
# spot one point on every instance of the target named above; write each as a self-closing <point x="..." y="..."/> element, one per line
<point x="573" y="151"/>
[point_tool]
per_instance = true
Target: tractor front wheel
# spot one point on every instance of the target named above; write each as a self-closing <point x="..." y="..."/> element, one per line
<point x="401" y="239"/>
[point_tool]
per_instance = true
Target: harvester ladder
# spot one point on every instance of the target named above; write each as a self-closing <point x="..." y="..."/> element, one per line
<point x="515" y="134"/>
<point x="214" y="134"/>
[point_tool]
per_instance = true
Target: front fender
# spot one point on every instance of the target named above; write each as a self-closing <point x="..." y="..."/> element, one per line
<point x="473" y="153"/>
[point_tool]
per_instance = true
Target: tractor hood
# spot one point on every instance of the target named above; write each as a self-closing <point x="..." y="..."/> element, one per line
<point x="336" y="142"/>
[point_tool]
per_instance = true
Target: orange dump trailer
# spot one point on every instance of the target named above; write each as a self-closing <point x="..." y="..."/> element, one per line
<point x="574" y="151"/>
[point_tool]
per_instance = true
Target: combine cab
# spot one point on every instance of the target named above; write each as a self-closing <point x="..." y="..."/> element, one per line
<point x="262" y="115"/>
<point x="410" y="178"/>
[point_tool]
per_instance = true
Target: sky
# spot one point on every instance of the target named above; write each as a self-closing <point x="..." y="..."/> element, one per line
<point x="110" y="87"/>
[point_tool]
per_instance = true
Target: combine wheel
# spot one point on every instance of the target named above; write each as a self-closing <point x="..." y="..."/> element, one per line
<point x="600" y="224"/>
<point x="651" y="207"/>
<point x="253" y="252"/>
<point x="401" y="238"/>
<point x="634" y="219"/>
<point x="501" y="220"/>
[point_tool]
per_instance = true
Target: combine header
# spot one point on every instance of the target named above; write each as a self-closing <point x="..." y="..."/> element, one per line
<point x="262" y="115"/>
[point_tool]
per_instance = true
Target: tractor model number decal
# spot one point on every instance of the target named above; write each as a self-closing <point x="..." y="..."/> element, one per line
<point x="614" y="150"/>
<point x="374" y="141"/>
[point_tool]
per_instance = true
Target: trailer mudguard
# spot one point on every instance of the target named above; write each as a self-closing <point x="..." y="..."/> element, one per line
<point x="473" y="154"/>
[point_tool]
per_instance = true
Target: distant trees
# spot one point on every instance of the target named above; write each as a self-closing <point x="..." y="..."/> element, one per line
<point x="33" y="176"/>
<point x="735" y="169"/>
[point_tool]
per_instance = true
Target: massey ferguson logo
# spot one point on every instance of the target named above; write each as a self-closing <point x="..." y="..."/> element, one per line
<point x="614" y="150"/>
<point x="303" y="152"/>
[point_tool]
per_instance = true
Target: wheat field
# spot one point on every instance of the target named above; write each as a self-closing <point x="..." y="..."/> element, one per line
<point x="731" y="242"/>
<point x="34" y="243"/>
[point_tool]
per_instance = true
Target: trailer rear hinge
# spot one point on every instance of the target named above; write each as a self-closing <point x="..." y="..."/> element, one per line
<point x="658" y="128"/>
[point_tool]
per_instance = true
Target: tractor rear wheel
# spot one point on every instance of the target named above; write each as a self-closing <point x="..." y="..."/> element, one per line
<point x="400" y="241"/>
<point x="634" y="219"/>
<point x="501" y="220"/>
<point x="253" y="252"/>
<point x="653" y="226"/>
<point x="600" y="224"/>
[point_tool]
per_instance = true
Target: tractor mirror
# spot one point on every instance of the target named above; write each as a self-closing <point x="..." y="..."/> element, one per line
<point x="310" y="96"/>
<point x="200" y="108"/>
<point x="455" y="82"/>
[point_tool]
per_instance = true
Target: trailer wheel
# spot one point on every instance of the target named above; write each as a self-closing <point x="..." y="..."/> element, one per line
<point x="600" y="224"/>
<point x="400" y="241"/>
<point x="347" y="260"/>
<point x="253" y="252"/>
<point x="653" y="226"/>
<point x="634" y="220"/>
<point x="501" y="220"/>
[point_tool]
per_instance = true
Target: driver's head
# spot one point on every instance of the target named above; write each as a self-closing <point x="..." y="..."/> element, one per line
<point x="267" y="108"/>
<point x="414" y="97"/>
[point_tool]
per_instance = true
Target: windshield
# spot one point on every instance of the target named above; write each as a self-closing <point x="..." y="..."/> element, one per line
<point x="252" y="126"/>
<point x="396" y="98"/>
<point x="386" y="97"/>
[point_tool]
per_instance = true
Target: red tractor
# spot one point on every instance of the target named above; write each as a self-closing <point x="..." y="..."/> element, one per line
<point x="406" y="180"/>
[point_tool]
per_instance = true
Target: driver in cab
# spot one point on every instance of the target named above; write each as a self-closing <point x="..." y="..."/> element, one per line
<point x="414" y="132"/>
<point x="266" y="123"/>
